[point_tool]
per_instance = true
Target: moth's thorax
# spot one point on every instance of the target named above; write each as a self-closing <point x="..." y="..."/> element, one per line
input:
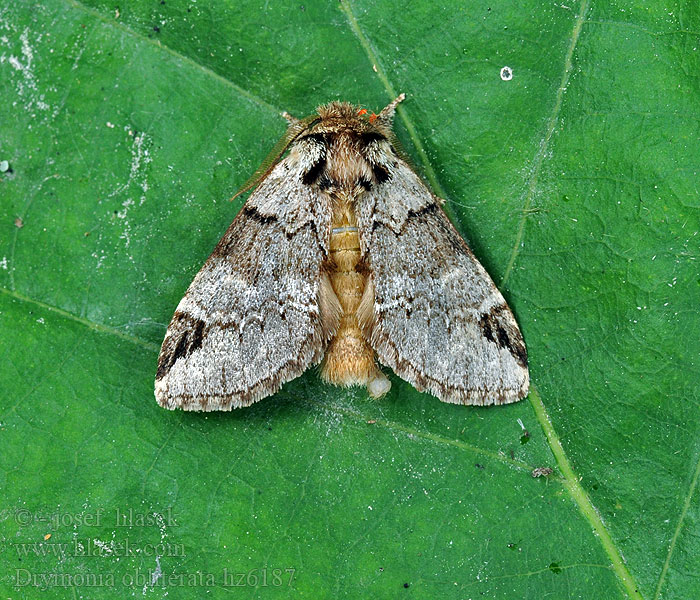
<point x="345" y="164"/>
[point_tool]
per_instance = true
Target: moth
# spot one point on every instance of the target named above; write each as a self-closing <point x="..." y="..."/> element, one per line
<point x="342" y="257"/>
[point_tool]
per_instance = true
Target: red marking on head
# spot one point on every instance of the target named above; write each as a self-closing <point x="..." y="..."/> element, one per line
<point x="373" y="118"/>
<point x="362" y="111"/>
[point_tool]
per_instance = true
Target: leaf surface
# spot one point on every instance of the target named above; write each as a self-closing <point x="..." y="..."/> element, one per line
<point x="126" y="129"/>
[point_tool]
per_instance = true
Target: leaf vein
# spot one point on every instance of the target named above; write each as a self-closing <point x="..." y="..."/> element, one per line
<point x="178" y="55"/>
<point x="381" y="73"/>
<point x="579" y="495"/>
<point x="86" y="322"/>
<point x="544" y="142"/>
<point x="676" y="533"/>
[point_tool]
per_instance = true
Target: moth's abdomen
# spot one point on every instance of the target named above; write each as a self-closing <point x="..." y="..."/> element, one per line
<point x="349" y="358"/>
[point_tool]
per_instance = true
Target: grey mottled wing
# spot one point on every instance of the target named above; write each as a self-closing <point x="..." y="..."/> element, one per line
<point x="439" y="321"/>
<point x="251" y="319"/>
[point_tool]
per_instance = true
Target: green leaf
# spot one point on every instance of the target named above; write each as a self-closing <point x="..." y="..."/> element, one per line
<point x="125" y="128"/>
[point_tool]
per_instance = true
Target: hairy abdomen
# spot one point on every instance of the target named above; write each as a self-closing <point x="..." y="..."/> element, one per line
<point x="349" y="358"/>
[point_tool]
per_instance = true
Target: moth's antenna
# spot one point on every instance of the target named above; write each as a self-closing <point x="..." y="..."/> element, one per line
<point x="290" y="119"/>
<point x="387" y="114"/>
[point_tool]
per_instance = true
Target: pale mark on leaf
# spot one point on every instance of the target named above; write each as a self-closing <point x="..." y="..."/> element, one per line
<point x="27" y="87"/>
<point x="140" y="158"/>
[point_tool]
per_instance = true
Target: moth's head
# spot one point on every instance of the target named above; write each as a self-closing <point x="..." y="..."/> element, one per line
<point x="337" y="117"/>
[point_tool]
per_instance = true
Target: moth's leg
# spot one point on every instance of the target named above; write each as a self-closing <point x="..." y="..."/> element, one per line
<point x="377" y="384"/>
<point x="329" y="307"/>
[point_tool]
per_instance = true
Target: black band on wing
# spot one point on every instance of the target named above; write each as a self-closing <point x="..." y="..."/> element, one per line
<point x="191" y="335"/>
<point x="494" y="331"/>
